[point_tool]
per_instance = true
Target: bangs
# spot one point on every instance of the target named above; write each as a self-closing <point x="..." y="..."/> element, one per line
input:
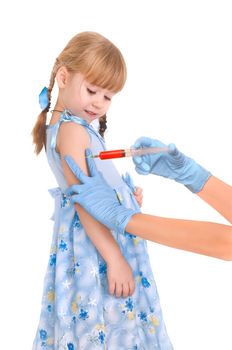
<point x="107" y="72"/>
<point x="97" y="58"/>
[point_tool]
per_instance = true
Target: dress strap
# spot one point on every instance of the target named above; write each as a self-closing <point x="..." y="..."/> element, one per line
<point x="67" y="116"/>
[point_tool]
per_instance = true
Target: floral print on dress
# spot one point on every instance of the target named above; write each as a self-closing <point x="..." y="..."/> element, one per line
<point x="77" y="311"/>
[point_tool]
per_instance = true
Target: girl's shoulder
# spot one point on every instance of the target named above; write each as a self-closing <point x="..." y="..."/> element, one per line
<point x="72" y="134"/>
<point x="69" y="131"/>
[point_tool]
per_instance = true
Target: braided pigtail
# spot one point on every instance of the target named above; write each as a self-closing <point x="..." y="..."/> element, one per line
<point x="39" y="130"/>
<point x="98" y="60"/>
<point x="102" y="125"/>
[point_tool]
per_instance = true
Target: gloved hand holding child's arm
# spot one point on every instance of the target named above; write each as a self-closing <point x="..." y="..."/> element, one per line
<point x="97" y="197"/>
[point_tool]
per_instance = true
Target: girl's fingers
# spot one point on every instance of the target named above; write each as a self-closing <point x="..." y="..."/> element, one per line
<point x="119" y="289"/>
<point x="139" y="196"/>
<point x="138" y="191"/>
<point x="112" y="287"/>
<point x="126" y="290"/>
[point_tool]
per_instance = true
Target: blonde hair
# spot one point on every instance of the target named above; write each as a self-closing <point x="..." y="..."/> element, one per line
<point x="98" y="59"/>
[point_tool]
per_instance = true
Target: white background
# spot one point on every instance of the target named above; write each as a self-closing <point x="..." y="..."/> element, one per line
<point x="179" y="89"/>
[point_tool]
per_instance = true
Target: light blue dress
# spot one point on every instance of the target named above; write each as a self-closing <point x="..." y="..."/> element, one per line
<point x="78" y="313"/>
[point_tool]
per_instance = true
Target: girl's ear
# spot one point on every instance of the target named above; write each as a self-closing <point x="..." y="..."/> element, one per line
<point x="62" y="77"/>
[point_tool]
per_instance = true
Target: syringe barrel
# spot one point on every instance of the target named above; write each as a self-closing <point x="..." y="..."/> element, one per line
<point x="119" y="153"/>
<point x="130" y="152"/>
<point x="143" y="151"/>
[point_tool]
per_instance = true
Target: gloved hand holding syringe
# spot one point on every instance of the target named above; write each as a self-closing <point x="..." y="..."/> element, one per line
<point x="151" y="156"/>
<point x="130" y="152"/>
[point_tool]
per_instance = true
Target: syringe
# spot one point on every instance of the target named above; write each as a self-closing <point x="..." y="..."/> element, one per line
<point x="130" y="152"/>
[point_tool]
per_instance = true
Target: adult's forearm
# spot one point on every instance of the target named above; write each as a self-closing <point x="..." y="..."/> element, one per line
<point x="200" y="237"/>
<point x="218" y="195"/>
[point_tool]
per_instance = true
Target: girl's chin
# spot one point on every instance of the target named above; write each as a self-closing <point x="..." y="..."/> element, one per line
<point x="90" y="119"/>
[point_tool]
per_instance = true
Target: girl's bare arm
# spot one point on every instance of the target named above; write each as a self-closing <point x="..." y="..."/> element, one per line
<point x="73" y="139"/>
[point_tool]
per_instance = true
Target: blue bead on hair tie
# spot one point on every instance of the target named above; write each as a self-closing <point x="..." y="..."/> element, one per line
<point x="43" y="98"/>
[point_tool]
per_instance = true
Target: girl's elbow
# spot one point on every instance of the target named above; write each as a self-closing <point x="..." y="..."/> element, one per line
<point x="227" y="256"/>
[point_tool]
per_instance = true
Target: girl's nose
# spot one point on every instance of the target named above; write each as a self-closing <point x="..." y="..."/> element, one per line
<point x="98" y="101"/>
<point x="97" y="104"/>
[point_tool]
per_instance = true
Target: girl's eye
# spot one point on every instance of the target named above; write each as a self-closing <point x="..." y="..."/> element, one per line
<point x="107" y="98"/>
<point x="90" y="91"/>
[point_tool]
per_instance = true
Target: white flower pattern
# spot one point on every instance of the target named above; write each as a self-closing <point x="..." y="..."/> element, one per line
<point x="78" y="313"/>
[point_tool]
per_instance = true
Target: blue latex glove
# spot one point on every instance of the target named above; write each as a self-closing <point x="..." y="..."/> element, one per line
<point x="128" y="180"/>
<point x="97" y="197"/>
<point x="172" y="164"/>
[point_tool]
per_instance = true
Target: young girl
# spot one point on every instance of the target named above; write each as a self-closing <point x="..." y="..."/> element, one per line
<point x="99" y="289"/>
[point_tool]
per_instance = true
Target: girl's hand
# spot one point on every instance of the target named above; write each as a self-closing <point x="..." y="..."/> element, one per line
<point x="120" y="278"/>
<point x="137" y="191"/>
<point x="139" y="195"/>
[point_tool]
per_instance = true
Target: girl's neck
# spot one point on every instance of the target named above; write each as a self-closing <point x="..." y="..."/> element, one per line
<point x="55" y="115"/>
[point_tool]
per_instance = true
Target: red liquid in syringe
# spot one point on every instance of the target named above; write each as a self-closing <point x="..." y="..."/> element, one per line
<point x="130" y="152"/>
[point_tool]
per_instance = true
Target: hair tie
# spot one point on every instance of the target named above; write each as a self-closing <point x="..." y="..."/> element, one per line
<point x="43" y="98"/>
